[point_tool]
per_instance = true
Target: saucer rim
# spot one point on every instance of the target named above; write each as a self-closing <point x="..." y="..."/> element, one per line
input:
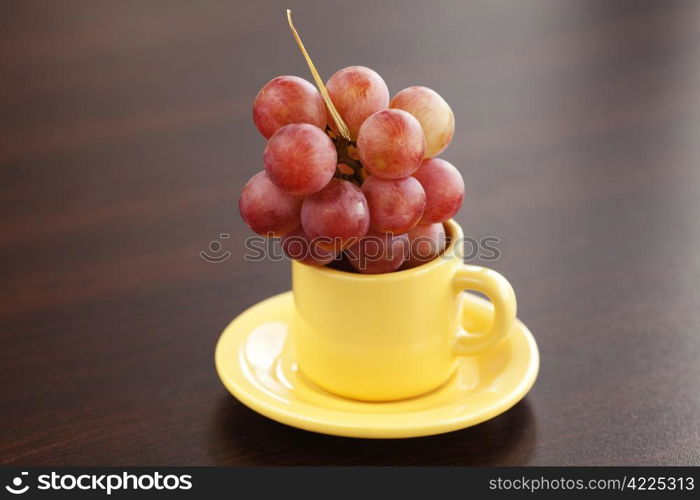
<point x="375" y="430"/>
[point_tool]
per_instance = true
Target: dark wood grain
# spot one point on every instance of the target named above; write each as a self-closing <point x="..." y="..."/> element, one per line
<point x="125" y="138"/>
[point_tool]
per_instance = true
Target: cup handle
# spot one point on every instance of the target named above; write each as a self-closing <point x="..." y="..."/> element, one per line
<point x="501" y="294"/>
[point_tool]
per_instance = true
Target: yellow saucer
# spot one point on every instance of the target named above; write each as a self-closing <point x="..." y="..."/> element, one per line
<point x="255" y="361"/>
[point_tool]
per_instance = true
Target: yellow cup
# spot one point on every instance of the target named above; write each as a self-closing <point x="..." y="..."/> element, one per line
<point x="393" y="336"/>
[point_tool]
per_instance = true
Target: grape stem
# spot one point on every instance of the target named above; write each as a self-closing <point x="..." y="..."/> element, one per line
<point x="341" y="139"/>
<point x="341" y="146"/>
<point x="342" y="127"/>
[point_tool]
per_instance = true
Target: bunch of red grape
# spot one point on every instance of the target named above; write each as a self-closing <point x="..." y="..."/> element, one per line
<point x="379" y="196"/>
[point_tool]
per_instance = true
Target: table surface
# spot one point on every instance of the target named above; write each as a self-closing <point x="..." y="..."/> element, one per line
<point x="126" y="137"/>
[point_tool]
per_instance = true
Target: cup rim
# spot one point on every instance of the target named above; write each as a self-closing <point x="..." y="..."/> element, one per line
<point x="451" y="227"/>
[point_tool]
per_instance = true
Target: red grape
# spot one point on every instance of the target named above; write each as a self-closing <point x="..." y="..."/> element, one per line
<point x="339" y="212"/>
<point x="427" y="242"/>
<point x="378" y="253"/>
<point x="433" y="113"/>
<point x="395" y="205"/>
<point x="300" y="158"/>
<point x="287" y="99"/>
<point x="444" y="190"/>
<point x="356" y="92"/>
<point x="391" y="144"/>
<point x="267" y="209"/>
<point x="298" y="246"/>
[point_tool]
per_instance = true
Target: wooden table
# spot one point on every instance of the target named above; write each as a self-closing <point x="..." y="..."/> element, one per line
<point x="126" y="137"/>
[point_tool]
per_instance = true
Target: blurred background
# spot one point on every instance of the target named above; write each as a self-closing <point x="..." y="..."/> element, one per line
<point x="126" y="137"/>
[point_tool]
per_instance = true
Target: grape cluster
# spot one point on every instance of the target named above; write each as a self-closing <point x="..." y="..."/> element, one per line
<point x="379" y="196"/>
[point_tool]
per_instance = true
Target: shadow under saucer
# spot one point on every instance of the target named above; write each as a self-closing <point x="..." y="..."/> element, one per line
<point x="239" y="436"/>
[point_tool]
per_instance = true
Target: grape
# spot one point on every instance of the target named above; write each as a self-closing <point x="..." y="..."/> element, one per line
<point x="356" y="92"/>
<point x="426" y="243"/>
<point x="433" y="113"/>
<point x="267" y="209"/>
<point x="378" y="253"/>
<point x="339" y="212"/>
<point x="300" y="158"/>
<point x="287" y="99"/>
<point x="298" y="246"/>
<point x="391" y="144"/>
<point x="444" y="190"/>
<point x="395" y="205"/>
